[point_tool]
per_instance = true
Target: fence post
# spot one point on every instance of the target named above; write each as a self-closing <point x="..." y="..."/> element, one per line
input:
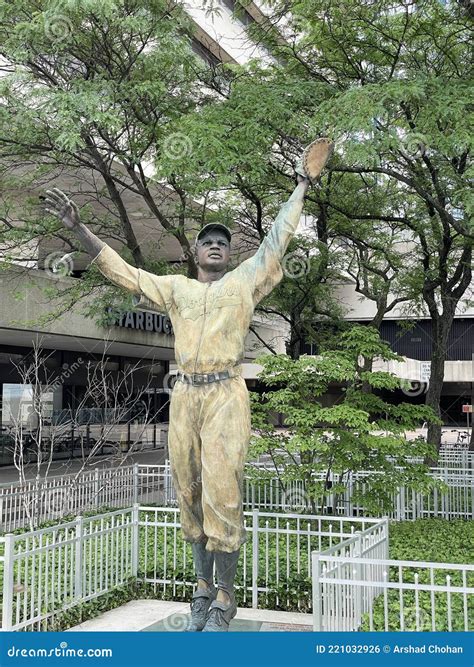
<point x="357" y="611"/>
<point x="317" y="599"/>
<point x="96" y="486"/>
<point x="387" y="541"/>
<point x="2" y="527"/>
<point x="8" y="570"/>
<point x="168" y="487"/>
<point x="135" y="537"/>
<point x="472" y="500"/>
<point x="78" y="563"/>
<point x="135" y="483"/>
<point x="255" y="558"/>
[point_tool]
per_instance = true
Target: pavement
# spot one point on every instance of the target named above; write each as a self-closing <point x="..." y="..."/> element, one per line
<point x="9" y="474"/>
<point x="161" y="616"/>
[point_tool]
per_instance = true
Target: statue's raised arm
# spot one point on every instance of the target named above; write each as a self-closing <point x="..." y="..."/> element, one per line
<point x="156" y="289"/>
<point x="264" y="269"/>
<point x="59" y="205"/>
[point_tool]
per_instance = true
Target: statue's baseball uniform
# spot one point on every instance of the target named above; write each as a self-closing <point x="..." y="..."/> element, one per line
<point x="210" y="423"/>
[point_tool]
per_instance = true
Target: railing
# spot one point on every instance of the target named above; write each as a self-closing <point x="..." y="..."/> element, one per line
<point x="275" y="557"/>
<point x="51" y="570"/>
<point x="356" y="589"/>
<point x="56" y="497"/>
<point x="343" y="608"/>
<point x="44" y="500"/>
<point x="457" y="501"/>
<point x="449" y="457"/>
<point x="456" y="458"/>
<point x="48" y="571"/>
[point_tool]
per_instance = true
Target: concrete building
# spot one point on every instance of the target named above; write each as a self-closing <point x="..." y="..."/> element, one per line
<point x="149" y="336"/>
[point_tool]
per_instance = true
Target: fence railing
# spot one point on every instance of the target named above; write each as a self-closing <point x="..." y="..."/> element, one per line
<point x="56" y="497"/>
<point x="331" y="606"/>
<point x="456" y="458"/>
<point x="354" y="588"/>
<point x="48" y="571"/>
<point x="338" y="567"/>
<point x="449" y="457"/>
<point x="456" y="501"/>
<point x="275" y="558"/>
<point x="44" y="500"/>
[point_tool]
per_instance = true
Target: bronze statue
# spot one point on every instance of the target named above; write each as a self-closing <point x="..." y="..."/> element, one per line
<point x="209" y="413"/>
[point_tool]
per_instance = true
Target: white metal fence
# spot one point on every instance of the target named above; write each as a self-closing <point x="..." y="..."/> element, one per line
<point x="356" y="588"/>
<point x="44" y="500"/>
<point x="342" y="608"/>
<point x="275" y="558"/>
<point x="56" y="497"/>
<point x="338" y="566"/>
<point x="456" y="501"/>
<point x="456" y="458"/>
<point x="48" y="571"/>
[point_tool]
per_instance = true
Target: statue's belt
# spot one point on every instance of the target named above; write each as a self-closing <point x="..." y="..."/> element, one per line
<point x="206" y="378"/>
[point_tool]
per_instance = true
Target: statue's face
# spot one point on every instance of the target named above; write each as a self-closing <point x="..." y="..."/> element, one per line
<point x="213" y="251"/>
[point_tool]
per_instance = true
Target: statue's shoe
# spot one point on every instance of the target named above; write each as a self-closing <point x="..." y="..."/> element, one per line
<point x="200" y="604"/>
<point x="219" y="616"/>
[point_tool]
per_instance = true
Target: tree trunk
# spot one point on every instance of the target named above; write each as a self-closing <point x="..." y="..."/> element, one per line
<point x="441" y="327"/>
<point x="471" y="443"/>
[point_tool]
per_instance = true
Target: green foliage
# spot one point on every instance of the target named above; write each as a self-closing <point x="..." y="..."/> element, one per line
<point x="429" y="540"/>
<point x="93" y="96"/>
<point x="435" y="540"/>
<point x="360" y="432"/>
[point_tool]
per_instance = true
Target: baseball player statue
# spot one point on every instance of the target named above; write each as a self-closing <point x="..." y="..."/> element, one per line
<point x="209" y="429"/>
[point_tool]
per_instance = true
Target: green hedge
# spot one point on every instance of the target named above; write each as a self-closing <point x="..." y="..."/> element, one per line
<point x="434" y="540"/>
<point x="430" y="540"/>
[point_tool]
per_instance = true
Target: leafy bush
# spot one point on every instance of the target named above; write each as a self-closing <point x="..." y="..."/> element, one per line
<point x="361" y="432"/>
<point x="430" y="540"/>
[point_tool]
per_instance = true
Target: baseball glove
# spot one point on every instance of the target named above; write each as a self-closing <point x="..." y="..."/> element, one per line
<point x="314" y="158"/>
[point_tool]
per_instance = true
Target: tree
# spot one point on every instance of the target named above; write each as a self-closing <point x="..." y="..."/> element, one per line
<point x="92" y="91"/>
<point x="389" y="82"/>
<point x="325" y="446"/>
<point x="36" y="439"/>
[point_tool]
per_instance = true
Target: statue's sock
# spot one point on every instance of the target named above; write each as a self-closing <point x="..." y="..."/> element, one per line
<point x="203" y="562"/>
<point x="226" y="567"/>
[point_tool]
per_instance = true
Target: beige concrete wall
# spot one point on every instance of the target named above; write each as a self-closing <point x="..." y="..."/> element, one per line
<point x="412" y="369"/>
<point x="73" y="331"/>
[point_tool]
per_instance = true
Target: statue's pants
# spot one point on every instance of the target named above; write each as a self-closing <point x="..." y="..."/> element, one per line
<point x="208" y="438"/>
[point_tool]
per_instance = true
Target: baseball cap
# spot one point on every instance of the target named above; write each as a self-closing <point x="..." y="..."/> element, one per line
<point x="213" y="226"/>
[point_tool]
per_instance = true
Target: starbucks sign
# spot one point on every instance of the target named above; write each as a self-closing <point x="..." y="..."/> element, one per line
<point x="142" y="321"/>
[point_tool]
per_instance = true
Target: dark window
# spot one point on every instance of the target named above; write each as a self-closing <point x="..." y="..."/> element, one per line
<point x="204" y="53"/>
<point x="239" y="12"/>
